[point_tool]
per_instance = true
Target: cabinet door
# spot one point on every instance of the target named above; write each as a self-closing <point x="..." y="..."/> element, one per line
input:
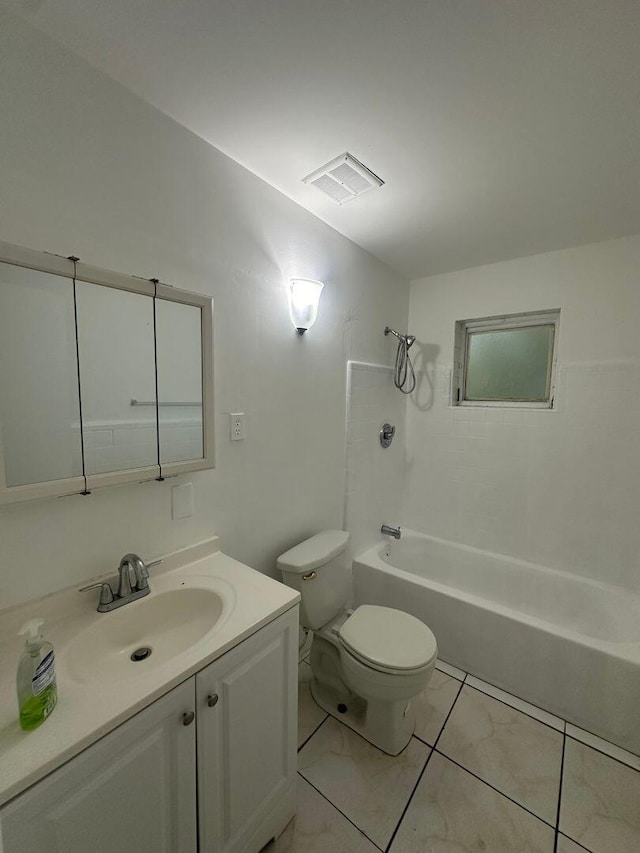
<point x="247" y="734"/>
<point x="131" y="792"/>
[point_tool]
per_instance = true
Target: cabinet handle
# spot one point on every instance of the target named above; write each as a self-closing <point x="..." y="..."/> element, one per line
<point x="187" y="718"/>
<point x="212" y="700"/>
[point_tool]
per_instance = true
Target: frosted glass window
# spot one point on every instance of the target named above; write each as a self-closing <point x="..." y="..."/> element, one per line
<point x="508" y="360"/>
<point x="510" y="364"/>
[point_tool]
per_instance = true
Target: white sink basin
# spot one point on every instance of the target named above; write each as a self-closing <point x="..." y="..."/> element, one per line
<point x="168" y="622"/>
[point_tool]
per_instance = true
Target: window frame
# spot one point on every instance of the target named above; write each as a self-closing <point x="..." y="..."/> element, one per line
<point x="502" y="322"/>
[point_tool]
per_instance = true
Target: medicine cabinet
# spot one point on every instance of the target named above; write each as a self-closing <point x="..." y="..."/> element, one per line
<point x="104" y="378"/>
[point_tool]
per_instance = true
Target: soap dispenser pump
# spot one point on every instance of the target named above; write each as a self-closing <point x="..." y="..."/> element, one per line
<point x="36" y="678"/>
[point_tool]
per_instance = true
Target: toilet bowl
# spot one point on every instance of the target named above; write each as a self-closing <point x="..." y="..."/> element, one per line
<point x="367" y="664"/>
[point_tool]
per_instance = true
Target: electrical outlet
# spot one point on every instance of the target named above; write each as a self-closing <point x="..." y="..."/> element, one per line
<point x="237" y="426"/>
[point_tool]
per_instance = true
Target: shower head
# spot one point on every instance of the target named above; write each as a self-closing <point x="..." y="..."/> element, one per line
<point x="408" y="340"/>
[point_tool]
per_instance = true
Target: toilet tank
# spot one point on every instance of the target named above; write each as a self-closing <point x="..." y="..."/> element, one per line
<point x="319" y="570"/>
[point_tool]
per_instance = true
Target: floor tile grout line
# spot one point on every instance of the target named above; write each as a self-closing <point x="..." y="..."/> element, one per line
<point x="577" y="843"/>
<point x="358" y="734"/>
<point x="407" y="804"/>
<point x="306" y="740"/>
<point x="426" y="764"/>
<point x="338" y="809"/>
<point x="602" y="752"/>
<point x="444" y="672"/>
<point x="513" y="708"/>
<point x="422" y="740"/>
<point x="564" y="745"/>
<point x="446" y="720"/>
<point x="564" y="722"/>
<point x="438" y="668"/>
<point x="341" y="722"/>
<point x="493" y="788"/>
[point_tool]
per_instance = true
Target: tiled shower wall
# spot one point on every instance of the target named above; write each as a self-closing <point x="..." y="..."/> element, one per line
<point x="557" y="487"/>
<point x="374" y="474"/>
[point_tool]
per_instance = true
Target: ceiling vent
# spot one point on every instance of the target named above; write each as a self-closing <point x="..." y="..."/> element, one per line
<point x="343" y="179"/>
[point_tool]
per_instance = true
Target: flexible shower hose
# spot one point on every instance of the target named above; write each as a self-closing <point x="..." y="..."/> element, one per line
<point x="404" y="376"/>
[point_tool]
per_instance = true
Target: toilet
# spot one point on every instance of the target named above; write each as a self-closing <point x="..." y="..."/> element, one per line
<point x="367" y="664"/>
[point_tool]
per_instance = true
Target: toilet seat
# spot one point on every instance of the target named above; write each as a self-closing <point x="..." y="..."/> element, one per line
<point x="388" y="640"/>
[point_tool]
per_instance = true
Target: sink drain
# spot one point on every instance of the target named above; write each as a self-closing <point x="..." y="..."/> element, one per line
<point x="141" y="654"/>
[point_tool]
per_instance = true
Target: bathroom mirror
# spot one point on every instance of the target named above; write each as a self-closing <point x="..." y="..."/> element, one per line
<point x="104" y="378"/>
<point x="39" y="405"/>
<point x="116" y="355"/>
<point x="179" y="381"/>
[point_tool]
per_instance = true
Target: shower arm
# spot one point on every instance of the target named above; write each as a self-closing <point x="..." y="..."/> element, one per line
<point x="389" y="331"/>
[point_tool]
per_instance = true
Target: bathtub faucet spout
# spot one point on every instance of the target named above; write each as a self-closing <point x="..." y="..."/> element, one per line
<point x="390" y="531"/>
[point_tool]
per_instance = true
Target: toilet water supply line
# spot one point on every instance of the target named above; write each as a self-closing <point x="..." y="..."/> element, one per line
<point x="404" y="376"/>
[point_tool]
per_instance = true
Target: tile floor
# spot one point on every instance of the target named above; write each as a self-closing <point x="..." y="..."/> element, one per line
<point x="484" y="771"/>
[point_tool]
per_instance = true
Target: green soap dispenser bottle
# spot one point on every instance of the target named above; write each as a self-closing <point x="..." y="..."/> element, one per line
<point x="36" y="679"/>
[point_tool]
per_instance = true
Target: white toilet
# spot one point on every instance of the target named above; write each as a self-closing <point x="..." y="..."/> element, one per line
<point x="367" y="664"/>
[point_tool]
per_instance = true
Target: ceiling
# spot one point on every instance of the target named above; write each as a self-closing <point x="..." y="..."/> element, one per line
<point x="501" y="128"/>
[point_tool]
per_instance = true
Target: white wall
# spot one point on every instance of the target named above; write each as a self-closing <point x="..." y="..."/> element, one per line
<point x="560" y="487"/>
<point x="86" y="168"/>
<point x="374" y="474"/>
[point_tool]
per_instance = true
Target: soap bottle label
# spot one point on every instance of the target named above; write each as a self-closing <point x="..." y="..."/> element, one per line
<point x="44" y="675"/>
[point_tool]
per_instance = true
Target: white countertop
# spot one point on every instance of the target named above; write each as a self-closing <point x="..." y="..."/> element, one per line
<point x="87" y="711"/>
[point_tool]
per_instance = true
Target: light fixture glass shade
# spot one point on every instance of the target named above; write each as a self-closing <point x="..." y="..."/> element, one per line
<point x="304" y="295"/>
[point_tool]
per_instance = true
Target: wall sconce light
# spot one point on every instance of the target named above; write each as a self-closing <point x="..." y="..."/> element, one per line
<point x="304" y="295"/>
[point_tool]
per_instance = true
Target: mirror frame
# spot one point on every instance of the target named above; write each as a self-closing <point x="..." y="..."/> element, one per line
<point x="60" y="266"/>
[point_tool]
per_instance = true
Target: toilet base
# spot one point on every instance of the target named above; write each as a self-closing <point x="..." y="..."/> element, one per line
<point x="388" y="726"/>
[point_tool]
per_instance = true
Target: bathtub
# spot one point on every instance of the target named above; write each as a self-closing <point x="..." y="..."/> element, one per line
<point x="566" y="644"/>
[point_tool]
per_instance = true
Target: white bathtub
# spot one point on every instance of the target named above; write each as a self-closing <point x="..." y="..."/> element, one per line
<point x="568" y="645"/>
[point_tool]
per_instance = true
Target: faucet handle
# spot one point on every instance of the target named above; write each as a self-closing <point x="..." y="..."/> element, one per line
<point x="106" y="593"/>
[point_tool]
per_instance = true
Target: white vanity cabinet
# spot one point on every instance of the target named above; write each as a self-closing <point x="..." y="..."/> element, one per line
<point x="134" y="790"/>
<point x="141" y="789"/>
<point x="247" y="739"/>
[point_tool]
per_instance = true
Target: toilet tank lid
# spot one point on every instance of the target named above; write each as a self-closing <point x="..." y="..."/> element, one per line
<point x="314" y="552"/>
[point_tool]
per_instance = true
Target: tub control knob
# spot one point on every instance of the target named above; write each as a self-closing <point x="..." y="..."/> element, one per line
<point x="386" y="435"/>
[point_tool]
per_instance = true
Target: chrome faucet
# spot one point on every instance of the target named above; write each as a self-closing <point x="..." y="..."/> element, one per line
<point x="141" y="571"/>
<point x="126" y="592"/>
<point x="390" y="531"/>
